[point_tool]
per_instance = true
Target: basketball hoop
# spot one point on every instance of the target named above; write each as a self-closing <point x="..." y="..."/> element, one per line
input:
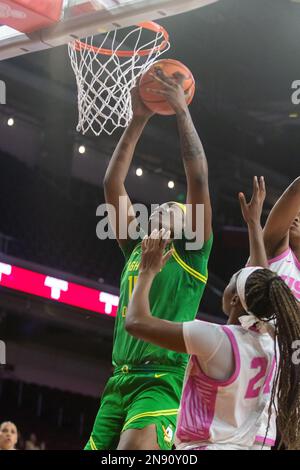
<point x="106" y="73"/>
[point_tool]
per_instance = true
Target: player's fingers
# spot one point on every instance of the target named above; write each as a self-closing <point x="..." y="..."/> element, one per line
<point x="167" y="235"/>
<point x="160" y="73"/>
<point x="166" y="82"/>
<point x="243" y="202"/>
<point x="152" y="239"/>
<point x="262" y="185"/>
<point x="157" y="92"/>
<point x="155" y="240"/>
<point x="156" y="234"/>
<point x="161" y="234"/>
<point x="180" y="77"/>
<point x="148" y="242"/>
<point x="165" y="238"/>
<point x="255" y="186"/>
<point x="167" y="256"/>
<point x="153" y="235"/>
<point x="144" y="243"/>
<point x="160" y="238"/>
<point x="156" y="77"/>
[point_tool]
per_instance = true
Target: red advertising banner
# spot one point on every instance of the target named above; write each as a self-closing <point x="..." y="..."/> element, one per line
<point x="59" y="290"/>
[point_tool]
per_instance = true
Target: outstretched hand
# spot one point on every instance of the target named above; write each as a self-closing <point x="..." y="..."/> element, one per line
<point x="252" y="211"/>
<point x="153" y="248"/>
<point x="171" y="88"/>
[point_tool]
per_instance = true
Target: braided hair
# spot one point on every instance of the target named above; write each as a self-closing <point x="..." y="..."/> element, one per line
<point x="269" y="298"/>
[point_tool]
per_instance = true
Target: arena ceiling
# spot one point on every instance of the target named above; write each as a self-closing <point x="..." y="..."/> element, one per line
<point x="244" y="55"/>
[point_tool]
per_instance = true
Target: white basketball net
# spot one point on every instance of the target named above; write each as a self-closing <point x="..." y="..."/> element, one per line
<point x="104" y="82"/>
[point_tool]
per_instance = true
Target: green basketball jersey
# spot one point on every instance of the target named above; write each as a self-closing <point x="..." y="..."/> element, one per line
<point x="175" y="295"/>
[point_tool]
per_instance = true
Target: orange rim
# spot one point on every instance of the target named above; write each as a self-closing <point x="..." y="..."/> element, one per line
<point x="150" y="25"/>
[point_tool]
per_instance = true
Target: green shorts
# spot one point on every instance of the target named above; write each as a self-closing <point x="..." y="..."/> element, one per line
<point x="135" y="398"/>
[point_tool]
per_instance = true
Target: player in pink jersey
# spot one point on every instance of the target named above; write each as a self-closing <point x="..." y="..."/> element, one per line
<point x="232" y="378"/>
<point x="282" y="242"/>
<point x="282" y="237"/>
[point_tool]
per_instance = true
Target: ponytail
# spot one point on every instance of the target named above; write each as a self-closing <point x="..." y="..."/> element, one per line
<point x="269" y="298"/>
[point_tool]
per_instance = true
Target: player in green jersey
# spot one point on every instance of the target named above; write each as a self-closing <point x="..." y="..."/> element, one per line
<point x="140" y="403"/>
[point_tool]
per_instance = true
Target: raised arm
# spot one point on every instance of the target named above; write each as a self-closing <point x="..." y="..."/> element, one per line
<point x="196" y="169"/>
<point x="281" y="217"/>
<point x="192" y="152"/>
<point x="116" y="173"/>
<point x="139" y="320"/>
<point x="252" y="215"/>
<point x="197" y="337"/>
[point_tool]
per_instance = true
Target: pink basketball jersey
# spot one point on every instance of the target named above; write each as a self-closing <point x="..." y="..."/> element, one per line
<point x="287" y="266"/>
<point x="230" y="412"/>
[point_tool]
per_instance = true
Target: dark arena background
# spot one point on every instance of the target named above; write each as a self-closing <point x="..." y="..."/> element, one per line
<point x="244" y="55"/>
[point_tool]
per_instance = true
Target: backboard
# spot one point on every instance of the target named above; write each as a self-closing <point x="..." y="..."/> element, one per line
<point x="82" y="18"/>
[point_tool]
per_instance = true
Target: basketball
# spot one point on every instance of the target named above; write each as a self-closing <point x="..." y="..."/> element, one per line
<point x="157" y="103"/>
